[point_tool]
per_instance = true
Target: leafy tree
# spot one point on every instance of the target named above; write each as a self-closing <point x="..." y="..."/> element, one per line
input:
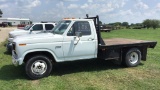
<point x="139" y="24"/>
<point x="1" y="13"/>
<point x="111" y="24"/>
<point x="117" y="23"/>
<point x="125" y="24"/>
<point x="148" y="23"/>
<point x="132" y="24"/>
<point x="155" y="23"/>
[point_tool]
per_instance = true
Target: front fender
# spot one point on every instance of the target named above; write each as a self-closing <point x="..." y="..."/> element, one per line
<point x="40" y="50"/>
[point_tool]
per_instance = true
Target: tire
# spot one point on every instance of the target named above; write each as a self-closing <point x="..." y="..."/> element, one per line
<point x="38" y="67"/>
<point x="132" y="57"/>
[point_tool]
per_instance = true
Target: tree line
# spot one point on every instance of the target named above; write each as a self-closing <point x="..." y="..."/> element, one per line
<point x="148" y="23"/>
<point x="151" y="23"/>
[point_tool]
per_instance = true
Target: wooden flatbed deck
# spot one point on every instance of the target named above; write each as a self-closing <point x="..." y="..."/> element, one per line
<point x="105" y="30"/>
<point x="122" y="42"/>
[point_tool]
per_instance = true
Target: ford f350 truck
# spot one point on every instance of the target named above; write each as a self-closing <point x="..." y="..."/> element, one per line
<point x="71" y="40"/>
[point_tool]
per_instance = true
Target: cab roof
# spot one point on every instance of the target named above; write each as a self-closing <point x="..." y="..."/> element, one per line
<point x="72" y="19"/>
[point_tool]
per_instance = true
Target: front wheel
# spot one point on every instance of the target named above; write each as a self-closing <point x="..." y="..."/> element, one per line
<point x="38" y="67"/>
<point x="132" y="57"/>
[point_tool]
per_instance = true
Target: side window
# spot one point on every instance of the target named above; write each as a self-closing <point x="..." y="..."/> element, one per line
<point x="49" y="26"/>
<point x="71" y="31"/>
<point x="80" y="26"/>
<point x="37" y="27"/>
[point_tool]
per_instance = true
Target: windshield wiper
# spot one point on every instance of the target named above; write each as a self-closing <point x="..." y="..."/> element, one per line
<point x="52" y="32"/>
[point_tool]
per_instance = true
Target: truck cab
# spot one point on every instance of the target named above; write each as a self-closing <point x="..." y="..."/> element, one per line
<point x="71" y="40"/>
<point x="63" y="41"/>
<point x="29" y="29"/>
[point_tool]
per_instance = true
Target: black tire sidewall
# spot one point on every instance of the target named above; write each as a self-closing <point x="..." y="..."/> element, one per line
<point x="127" y="56"/>
<point x="29" y="63"/>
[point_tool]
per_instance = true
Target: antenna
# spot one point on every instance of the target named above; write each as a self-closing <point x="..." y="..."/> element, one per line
<point x="87" y="15"/>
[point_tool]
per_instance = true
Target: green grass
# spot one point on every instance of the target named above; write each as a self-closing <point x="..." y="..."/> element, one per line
<point x="89" y="74"/>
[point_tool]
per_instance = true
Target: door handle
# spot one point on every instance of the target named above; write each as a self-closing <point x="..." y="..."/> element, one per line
<point x="90" y="39"/>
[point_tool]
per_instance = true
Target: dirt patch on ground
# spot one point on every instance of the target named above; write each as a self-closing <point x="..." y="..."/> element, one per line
<point x="4" y="33"/>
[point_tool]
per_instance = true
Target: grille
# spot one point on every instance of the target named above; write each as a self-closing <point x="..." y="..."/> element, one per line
<point x="13" y="45"/>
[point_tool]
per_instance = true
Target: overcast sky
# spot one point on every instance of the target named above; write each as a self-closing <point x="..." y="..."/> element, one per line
<point x="132" y="11"/>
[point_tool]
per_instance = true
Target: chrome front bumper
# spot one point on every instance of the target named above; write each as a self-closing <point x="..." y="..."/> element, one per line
<point x="15" y="60"/>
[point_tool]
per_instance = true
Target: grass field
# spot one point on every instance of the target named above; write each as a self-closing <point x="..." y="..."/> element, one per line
<point x="91" y="74"/>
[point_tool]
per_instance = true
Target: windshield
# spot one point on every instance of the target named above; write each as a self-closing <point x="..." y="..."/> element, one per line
<point x="27" y="27"/>
<point x="61" y="27"/>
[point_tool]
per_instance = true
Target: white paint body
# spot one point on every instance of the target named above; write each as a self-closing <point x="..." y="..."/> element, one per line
<point x="62" y="47"/>
<point x="18" y="32"/>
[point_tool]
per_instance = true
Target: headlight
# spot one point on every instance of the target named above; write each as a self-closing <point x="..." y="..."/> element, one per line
<point x="10" y="36"/>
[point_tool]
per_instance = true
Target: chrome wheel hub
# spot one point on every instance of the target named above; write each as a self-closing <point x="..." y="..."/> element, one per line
<point x="133" y="57"/>
<point x="39" y="67"/>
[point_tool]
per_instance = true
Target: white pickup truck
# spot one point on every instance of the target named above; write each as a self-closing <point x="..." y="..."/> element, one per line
<point x="71" y="40"/>
<point x="28" y="29"/>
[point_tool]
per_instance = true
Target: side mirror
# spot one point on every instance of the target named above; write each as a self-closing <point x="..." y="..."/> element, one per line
<point x="31" y="30"/>
<point x="78" y="34"/>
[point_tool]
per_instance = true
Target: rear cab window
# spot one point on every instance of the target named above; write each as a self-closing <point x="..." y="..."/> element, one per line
<point x="37" y="27"/>
<point x="49" y="26"/>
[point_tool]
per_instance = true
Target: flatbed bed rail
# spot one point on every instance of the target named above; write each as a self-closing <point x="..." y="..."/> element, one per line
<point x="122" y="42"/>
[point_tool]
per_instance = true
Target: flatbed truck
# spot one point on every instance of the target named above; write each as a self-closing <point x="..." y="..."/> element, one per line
<point x="72" y="40"/>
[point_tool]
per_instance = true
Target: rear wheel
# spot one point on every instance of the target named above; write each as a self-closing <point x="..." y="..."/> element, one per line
<point x="38" y="67"/>
<point x="132" y="57"/>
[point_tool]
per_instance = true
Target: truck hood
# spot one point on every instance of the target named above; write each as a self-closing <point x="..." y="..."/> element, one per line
<point x="38" y="38"/>
<point x="17" y="29"/>
<point x="17" y="32"/>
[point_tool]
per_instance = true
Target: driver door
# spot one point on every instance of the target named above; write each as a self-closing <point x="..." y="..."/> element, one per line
<point x="83" y="47"/>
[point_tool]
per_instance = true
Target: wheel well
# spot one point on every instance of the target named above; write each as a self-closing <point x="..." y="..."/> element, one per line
<point x="141" y="48"/>
<point x="125" y="50"/>
<point x="31" y="54"/>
